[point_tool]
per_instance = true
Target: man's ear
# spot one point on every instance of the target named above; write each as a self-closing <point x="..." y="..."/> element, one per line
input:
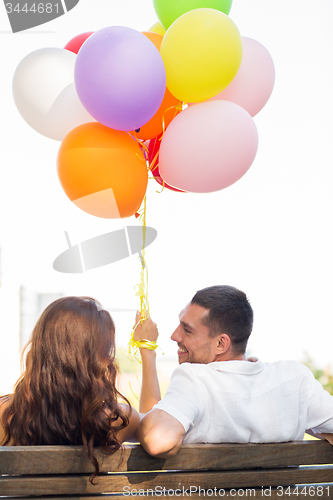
<point x="223" y="343"/>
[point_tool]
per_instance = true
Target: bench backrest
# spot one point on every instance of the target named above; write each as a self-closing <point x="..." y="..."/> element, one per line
<point x="65" y="470"/>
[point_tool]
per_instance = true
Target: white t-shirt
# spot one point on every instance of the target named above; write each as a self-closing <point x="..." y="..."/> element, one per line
<point x="244" y="401"/>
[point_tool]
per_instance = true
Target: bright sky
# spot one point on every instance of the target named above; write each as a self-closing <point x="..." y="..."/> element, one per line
<point x="269" y="234"/>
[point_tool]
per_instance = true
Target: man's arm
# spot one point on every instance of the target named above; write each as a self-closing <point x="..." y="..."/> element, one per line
<point x="320" y="409"/>
<point x="160" y="434"/>
<point x="150" y="389"/>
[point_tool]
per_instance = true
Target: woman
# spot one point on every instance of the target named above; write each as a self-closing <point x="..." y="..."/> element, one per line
<point x="67" y="393"/>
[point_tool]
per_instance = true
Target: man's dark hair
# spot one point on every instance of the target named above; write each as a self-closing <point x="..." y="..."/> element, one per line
<point x="229" y="312"/>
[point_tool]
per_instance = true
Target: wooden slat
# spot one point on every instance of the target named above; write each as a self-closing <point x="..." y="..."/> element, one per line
<point x="126" y="483"/>
<point x="71" y="459"/>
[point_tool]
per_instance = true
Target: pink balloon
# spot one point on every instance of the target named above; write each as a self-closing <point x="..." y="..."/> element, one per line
<point x="254" y="82"/>
<point x="208" y="147"/>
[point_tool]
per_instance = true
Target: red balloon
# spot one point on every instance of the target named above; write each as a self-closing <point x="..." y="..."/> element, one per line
<point x="76" y="43"/>
<point x="153" y="151"/>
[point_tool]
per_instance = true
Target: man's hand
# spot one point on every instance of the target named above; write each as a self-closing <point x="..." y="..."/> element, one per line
<point x="146" y="330"/>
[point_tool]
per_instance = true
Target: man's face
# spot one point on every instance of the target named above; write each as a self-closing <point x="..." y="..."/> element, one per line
<point x="194" y="343"/>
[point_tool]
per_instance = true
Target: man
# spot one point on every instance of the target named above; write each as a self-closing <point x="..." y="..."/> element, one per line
<point x="217" y="394"/>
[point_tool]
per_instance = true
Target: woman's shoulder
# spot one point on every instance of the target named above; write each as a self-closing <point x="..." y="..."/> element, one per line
<point x="128" y="432"/>
<point x="4" y="403"/>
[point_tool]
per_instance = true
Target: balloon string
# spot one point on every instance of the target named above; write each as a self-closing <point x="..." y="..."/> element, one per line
<point x="141" y="291"/>
<point x="163" y="187"/>
<point x="153" y="164"/>
<point x="142" y="146"/>
<point x="177" y="108"/>
<point x="142" y="287"/>
<point x="130" y="386"/>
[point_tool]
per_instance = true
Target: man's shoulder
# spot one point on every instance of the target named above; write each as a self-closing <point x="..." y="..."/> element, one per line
<point x="288" y="368"/>
<point x="185" y="368"/>
<point x="189" y="369"/>
<point x="290" y="364"/>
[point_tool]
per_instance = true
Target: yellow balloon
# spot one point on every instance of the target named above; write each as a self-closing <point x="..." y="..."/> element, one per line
<point x="202" y="52"/>
<point x="157" y="28"/>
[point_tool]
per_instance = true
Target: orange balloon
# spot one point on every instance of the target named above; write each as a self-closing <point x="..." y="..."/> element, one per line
<point x="102" y="171"/>
<point x="155" y="125"/>
<point x="156" y="38"/>
<point x="167" y="111"/>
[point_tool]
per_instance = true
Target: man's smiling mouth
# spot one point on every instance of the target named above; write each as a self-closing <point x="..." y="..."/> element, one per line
<point x="182" y="350"/>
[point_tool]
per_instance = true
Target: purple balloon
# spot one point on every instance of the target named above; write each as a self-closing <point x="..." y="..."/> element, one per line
<point x="120" y="77"/>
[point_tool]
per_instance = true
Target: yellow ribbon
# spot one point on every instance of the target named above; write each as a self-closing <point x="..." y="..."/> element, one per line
<point x="142" y="293"/>
<point x="135" y="345"/>
<point x="177" y="108"/>
<point x="142" y="287"/>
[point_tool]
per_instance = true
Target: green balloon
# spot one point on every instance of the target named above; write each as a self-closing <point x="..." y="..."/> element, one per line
<point x="169" y="10"/>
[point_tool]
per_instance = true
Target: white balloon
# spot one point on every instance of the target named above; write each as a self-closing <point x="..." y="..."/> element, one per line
<point x="45" y="95"/>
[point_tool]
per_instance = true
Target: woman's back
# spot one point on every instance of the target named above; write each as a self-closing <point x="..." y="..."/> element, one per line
<point x="67" y="393"/>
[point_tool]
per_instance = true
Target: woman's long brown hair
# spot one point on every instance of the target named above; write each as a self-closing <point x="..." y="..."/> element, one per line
<point x="67" y="394"/>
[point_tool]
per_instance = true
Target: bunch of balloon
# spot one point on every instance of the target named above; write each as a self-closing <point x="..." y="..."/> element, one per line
<point x="177" y="100"/>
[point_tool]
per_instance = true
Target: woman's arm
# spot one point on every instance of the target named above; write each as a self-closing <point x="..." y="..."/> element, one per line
<point x="328" y="437"/>
<point x="129" y="432"/>
<point x="321" y="435"/>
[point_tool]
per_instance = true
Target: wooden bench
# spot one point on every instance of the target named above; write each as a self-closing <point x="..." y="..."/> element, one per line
<point x="201" y="470"/>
